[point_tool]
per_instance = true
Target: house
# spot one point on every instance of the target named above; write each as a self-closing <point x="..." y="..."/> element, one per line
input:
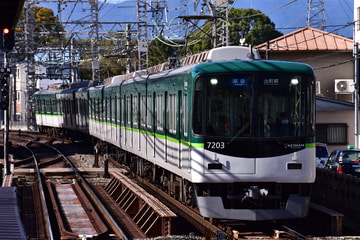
<point x="335" y="122"/>
<point x="331" y="56"/>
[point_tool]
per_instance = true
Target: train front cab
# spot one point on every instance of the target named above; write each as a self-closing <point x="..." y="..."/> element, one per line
<point x="257" y="129"/>
<point x="48" y="113"/>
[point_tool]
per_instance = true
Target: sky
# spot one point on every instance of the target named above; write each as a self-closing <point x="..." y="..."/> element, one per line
<point x="288" y="15"/>
<point x="338" y="14"/>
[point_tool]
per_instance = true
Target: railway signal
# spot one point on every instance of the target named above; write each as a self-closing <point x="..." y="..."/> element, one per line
<point x="7" y="39"/>
<point x="5" y="90"/>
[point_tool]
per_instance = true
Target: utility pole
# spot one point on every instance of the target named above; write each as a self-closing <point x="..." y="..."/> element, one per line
<point x="4" y="105"/>
<point x="142" y="34"/>
<point x="94" y="36"/>
<point x="220" y="26"/>
<point x="356" y="92"/>
<point x="7" y="41"/>
<point x="29" y="54"/>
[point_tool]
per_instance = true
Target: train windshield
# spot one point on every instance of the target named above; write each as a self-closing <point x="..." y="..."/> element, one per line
<point x="253" y="105"/>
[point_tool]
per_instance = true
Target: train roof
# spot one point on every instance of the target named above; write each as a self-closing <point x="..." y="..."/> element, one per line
<point x="43" y="92"/>
<point x="253" y="66"/>
<point x="225" y="66"/>
<point x="235" y="66"/>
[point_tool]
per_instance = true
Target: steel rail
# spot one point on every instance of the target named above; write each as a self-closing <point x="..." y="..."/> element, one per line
<point x="43" y="197"/>
<point x="105" y="213"/>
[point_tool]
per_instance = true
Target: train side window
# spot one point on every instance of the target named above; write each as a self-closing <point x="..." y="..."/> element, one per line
<point x="96" y="110"/>
<point x="43" y="110"/>
<point x="72" y="111"/>
<point x="54" y="105"/>
<point x="118" y="110"/>
<point x="59" y="104"/>
<point x="51" y="107"/>
<point x="198" y="108"/>
<point x="45" y="106"/>
<point x="109" y="109"/>
<point x="172" y="111"/>
<point x="149" y="112"/>
<point x="135" y="106"/>
<point x="113" y="109"/>
<point x="128" y="110"/>
<point x="106" y="109"/>
<point x="101" y="109"/>
<point x="143" y="111"/>
<point x="186" y="115"/>
<point x="122" y="101"/>
<point x="83" y="108"/>
<point x="160" y="112"/>
<point x="91" y="108"/>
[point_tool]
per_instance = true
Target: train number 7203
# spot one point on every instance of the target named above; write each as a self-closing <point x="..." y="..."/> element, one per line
<point x="215" y="145"/>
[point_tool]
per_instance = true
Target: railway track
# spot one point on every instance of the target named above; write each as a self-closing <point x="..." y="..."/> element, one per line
<point x="57" y="184"/>
<point x="218" y="229"/>
<point x="61" y="204"/>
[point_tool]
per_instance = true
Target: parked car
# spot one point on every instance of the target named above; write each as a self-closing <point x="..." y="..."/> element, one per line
<point x="345" y="161"/>
<point x="322" y="155"/>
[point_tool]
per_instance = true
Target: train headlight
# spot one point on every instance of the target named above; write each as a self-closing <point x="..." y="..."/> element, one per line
<point x="294" y="81"/>
<point x="214" y="81"/>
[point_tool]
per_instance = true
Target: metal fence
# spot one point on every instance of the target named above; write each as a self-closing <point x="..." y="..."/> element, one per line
<point x="338" y="192"/>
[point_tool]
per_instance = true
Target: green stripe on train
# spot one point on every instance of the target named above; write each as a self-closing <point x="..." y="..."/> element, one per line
<point x="157" y="135"/>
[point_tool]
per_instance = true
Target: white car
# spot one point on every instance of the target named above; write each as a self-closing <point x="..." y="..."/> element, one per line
<point x="322" y="155"/>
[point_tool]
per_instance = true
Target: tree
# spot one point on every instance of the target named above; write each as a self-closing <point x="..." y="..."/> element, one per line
<point x="47" y="22"/>
<point x="160" y="50"/>
<point x="252" y="25"/>
<point x="47" y="27"/>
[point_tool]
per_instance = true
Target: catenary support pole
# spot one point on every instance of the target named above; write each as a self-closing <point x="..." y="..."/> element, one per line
<point x="356" y="92"/>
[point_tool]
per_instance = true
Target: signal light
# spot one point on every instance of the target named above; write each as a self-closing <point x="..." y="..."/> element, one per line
<point x="7" y="39"/>
<point x="5" y="87"/>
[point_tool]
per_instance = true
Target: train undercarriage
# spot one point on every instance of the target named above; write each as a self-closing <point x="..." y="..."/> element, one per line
<point x="245" y="198"/>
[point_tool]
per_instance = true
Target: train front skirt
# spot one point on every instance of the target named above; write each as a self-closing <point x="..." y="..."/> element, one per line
<point x="296" y="207"/>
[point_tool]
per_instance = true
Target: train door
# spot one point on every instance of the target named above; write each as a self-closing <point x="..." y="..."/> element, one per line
<point x="160" y="120"/>
<point x="118" y="119"/>
<point x="130" y="120"/>
<point x="149" y="125"/>
<point x="184" y="120"/>
<point x="126" y="120"/>
<point x="166" y="124"/>
<point x="123" y="120"/>
<point x="136" y="131"/>
<point x="143" y="135"/>
<point x="113" y="119"/>
<point x="172" y="137"/>
<point x="107" y="117"/>
<point x="153" y="122"/>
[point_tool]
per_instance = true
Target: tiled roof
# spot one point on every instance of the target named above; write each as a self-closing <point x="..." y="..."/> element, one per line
<point x="308" y="39"/>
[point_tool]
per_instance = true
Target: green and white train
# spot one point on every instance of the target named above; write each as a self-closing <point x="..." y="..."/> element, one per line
<point x="233" y="135"/>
